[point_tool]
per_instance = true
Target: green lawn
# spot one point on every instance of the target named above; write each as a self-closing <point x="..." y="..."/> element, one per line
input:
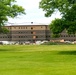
<point x="38" y="60"/>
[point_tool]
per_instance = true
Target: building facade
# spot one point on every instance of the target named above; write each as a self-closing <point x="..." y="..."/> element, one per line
<point x="32" y="33"/>
<point x="23" y="33"/>
<point x="65" y="37"/>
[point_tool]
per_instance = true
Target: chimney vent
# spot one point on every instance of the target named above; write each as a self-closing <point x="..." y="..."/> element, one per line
<point x="31" y="22"/>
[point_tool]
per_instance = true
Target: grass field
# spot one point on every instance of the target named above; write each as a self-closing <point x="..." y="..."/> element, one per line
<point x="38" y="60"/>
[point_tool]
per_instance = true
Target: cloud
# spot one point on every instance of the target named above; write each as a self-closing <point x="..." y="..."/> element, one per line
<point x="29" y="4"/>
<point x="33" y="13"/>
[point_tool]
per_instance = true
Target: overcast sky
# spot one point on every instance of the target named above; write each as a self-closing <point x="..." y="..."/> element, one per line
<point x="33" y="13"/>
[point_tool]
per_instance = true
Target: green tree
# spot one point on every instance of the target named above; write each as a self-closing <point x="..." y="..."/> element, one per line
<point x="67" y="8"/>
<point x="50" y="6"/>
<point x="57" y="26"/>
<point x="8" y="8"/>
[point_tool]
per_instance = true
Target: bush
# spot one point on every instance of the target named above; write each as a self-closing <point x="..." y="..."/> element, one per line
<point x="55" y="43"/>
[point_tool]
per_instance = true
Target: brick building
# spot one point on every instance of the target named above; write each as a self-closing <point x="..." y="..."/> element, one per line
<point x="66" y="37"/>
<point x="23" y="33"/>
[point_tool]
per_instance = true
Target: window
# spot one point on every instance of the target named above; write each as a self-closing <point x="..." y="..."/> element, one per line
<point x="31" y="27"/>
<point x="34" y="37"/>
<point x="26" y="27"/>
<point x="41" y="27"/>
<point x="19" y="27"/>
<point x="8" y="36"/>
<point x="14" y="27"/>
<point x="66" y="35"/>
<point x="33" y="32"/>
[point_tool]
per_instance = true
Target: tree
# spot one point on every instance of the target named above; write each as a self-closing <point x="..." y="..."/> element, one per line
<point x="67" y="8"/>
<point x="72" y="1"/>
<point x="57" y="26"/>
<point x="8" y="8"/>
<point x="50" y="6"/>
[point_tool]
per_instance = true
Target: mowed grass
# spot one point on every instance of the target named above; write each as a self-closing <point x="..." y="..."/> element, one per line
<point x="38" y="60"/>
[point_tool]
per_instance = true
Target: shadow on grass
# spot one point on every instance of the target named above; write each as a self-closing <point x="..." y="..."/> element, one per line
<point x="67" y="52"/>
<point x="4" y="50"/>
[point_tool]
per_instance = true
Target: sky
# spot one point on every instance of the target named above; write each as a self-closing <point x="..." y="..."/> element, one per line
<point x="33" y="13"/>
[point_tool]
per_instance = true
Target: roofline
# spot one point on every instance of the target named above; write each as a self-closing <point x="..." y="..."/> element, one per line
<point x="25" y="25"/>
